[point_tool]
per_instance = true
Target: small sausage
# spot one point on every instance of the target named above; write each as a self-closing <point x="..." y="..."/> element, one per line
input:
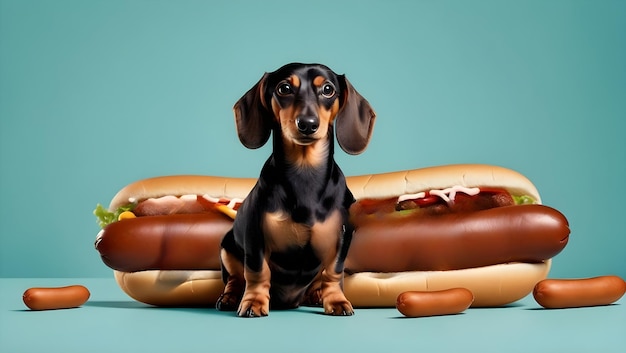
<point x="433" y="303"/>
<point x="573" y="293"/>
<point x="55" y="297"/>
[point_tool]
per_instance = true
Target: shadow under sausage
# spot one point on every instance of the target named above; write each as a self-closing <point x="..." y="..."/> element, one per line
<point x="134" y="305"/>
<point x="540" y="308"/>
<point x="402" y="317"/>
<point x="117" y="304"/>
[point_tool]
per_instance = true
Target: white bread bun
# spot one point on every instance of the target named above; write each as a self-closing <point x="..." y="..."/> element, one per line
<point x="381" y="185"/>
<point x="439" y="177"/>
<point x="172" y="288"/>
<point x="492" y="285"/>
<point x="178" y="185"/>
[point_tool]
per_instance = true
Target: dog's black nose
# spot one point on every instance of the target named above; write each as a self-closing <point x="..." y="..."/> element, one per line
<point x="307" y="124"/>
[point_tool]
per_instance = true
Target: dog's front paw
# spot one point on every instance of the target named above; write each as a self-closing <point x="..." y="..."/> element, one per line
<point x="313" y="297"/>
<point x="254" y="305"/>
<point x="337" y="305"/>
<point x="227" y="302"/>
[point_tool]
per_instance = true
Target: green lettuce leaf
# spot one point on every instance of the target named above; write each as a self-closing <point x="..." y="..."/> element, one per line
<point x="105" y="217"/>
<point x="524" y="200"/>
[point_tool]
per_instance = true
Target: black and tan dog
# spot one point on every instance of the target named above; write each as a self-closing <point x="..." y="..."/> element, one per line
<point x="292" y="230"/>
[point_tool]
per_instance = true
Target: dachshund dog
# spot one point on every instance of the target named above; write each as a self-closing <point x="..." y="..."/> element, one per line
<point x="292" y="230"/>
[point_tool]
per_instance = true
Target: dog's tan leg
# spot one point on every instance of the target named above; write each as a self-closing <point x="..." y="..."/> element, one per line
<point x="313" y="295"/>
<point x="333" y="299"/>
<point x="256" y="298"/>
<point x="324" y="242"/>
<point x="235" y="283"/>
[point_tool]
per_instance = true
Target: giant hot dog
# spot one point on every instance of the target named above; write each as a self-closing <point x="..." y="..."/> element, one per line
<point x="451" y="234"/>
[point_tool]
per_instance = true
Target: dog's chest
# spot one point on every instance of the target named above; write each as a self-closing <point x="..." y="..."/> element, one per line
<point x="281" y="232"/>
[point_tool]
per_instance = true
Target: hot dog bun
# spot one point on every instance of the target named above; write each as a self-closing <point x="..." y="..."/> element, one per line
<point x="492" y="285"/>
<point x="438" y="177"/>
<point x="172" y="287"/>
<point x="178" y="185"/>
<point x="364" y="186"/>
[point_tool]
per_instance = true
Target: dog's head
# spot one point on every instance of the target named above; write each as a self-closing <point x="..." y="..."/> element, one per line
<point x="303" y="101"/>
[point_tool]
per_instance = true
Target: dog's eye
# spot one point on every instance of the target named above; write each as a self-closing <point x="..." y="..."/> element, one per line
<point x="284" y="89"/>
<point x="328" y="90"/>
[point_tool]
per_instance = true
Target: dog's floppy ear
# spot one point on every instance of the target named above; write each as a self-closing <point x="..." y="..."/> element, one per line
<point x="253" y="119"/>
<point x="355" y="120"/>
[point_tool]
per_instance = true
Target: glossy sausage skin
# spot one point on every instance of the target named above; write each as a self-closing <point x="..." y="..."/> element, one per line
<point x="525" y="233"/>
<point x="172" y="242"/>
<point x="55" y="297"/>
<point x="573" y="293"/>
<point x="444" y="302"/>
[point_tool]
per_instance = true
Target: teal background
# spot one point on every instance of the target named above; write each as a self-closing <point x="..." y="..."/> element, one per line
<point x="97" y="94"/>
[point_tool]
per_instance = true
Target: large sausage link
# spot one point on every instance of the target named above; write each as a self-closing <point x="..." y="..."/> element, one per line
<point x="573" y="293"/>
<point x="525" y="233"/>
<point x="172" y="242"/>
<point x="529" y="233"/>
